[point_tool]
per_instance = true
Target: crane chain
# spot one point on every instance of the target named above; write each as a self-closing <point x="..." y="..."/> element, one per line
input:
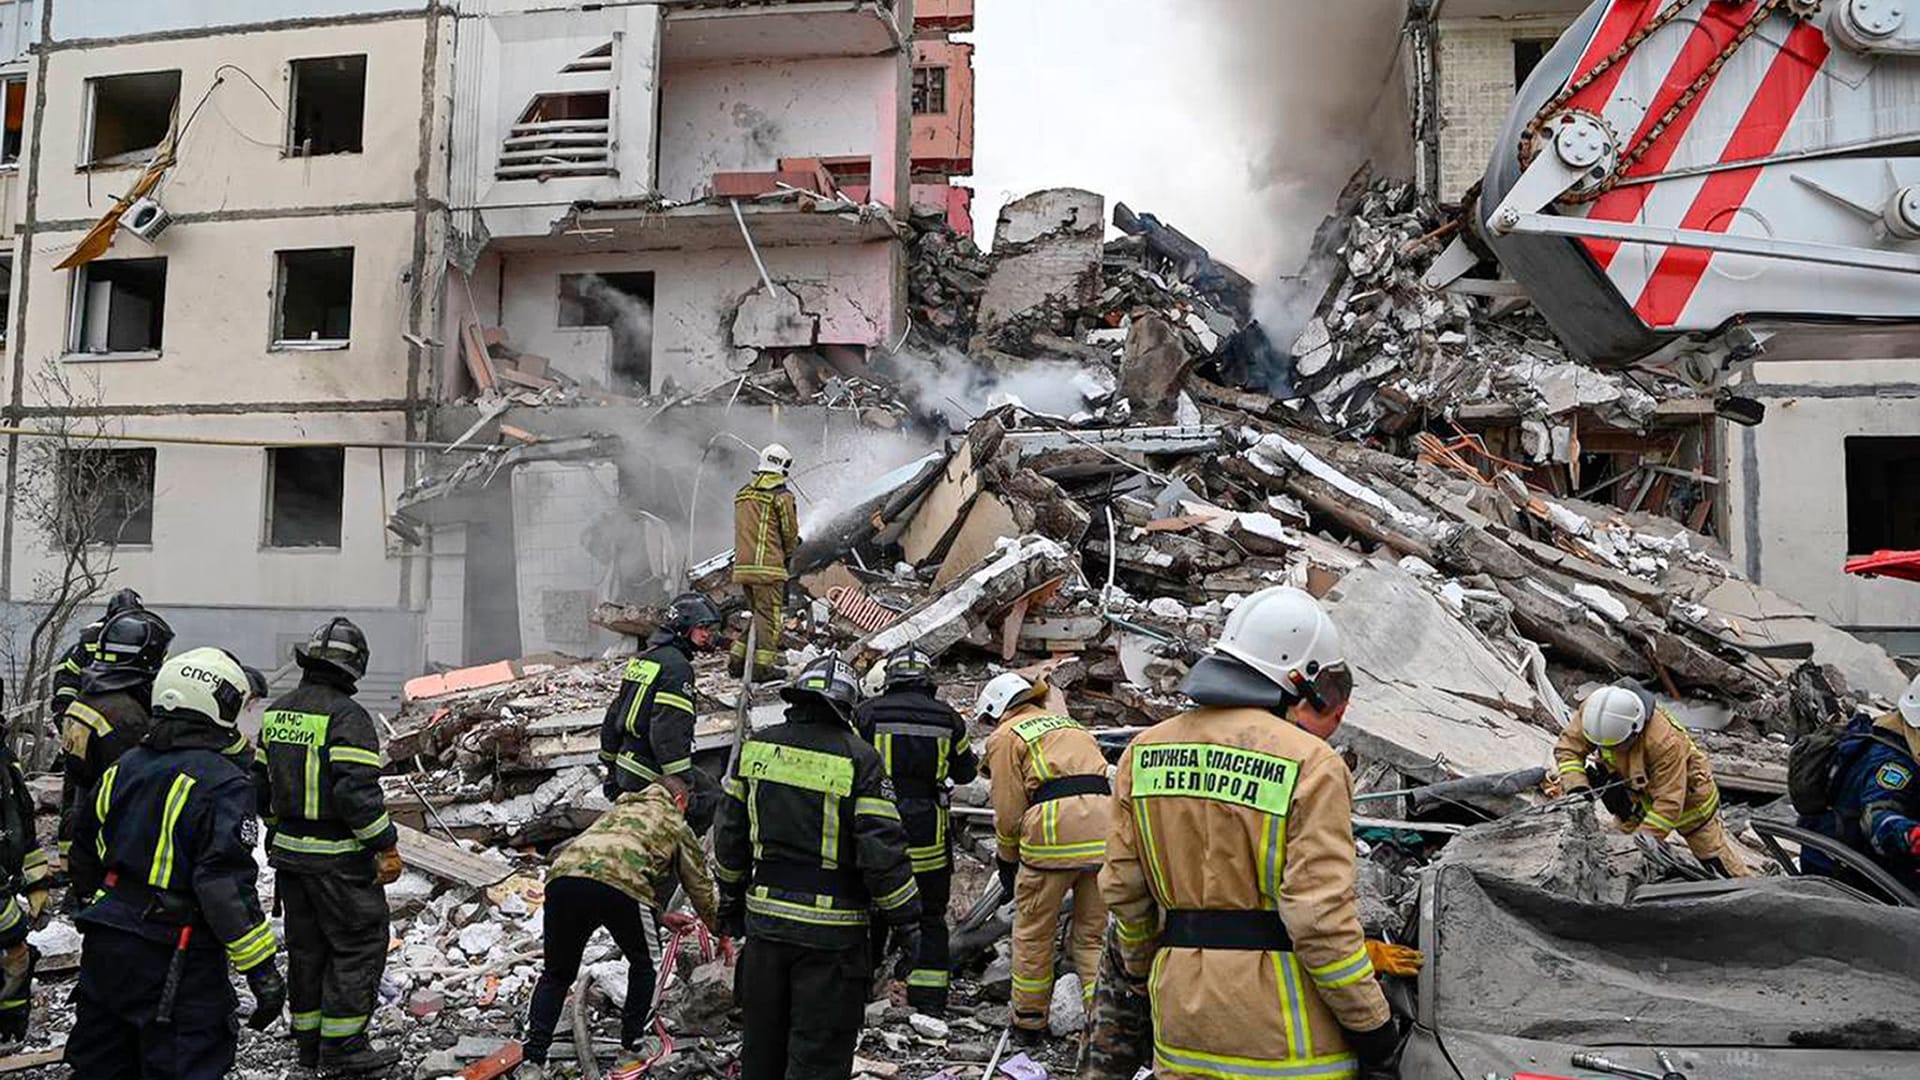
<point x="1530" y="135"/>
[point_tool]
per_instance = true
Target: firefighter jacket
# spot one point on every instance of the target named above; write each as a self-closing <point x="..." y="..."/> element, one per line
<point x="67" y="674"/>
<point x="638" y="845"/>
<point x="165" y="842"/>
<point x="1666" y="775"/>
<point x="808" y="838"/>
<point x="1223" y="819"/>
<point x="318" y="777"/>
<point x="1876" y="798"/>
<point x="766" y="530"/>
<point x="1051" y="800"/>
<point x="923" y="744"/>
<point x="97" y="729"/>
<point x="23" y="862"/>
<point x="648" y="729"/>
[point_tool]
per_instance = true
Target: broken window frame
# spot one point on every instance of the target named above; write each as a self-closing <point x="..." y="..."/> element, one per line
<point x="572" y="312"/>
<point x="136" y="521"/>
<point x="77" y="314"/>
<point x="6" y="294"/>
<point x="10" y="154"/>
<point x="922" y="97"/>
<point x="294" y="146"/>
<point x="535" y="149"/>
<point x="1878" y="526"/>
<point x="89" y="156"/>
<point x="270" y="539"/>
<point x="280" y="341"/>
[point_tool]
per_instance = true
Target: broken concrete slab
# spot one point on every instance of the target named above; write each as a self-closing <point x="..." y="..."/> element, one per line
<point x="773" y="320"/>
<point x="1048" y="256"/>
<point x="1432" y="735"/>
<point x="1017" y="567"/>
<point x="1153" y="368"/>
<point x="1762" y="616"/>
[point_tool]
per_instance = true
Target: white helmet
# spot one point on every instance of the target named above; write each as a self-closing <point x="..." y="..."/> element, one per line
<point x="775" y="459"/>
<point x="1910" y="703"/>
<point x="1284" y="634"/>
<point x="1612" y="714"/>
<point x="1003" y="692"/>
<point x="874" y="682"/>
<point x="206" y="682"/>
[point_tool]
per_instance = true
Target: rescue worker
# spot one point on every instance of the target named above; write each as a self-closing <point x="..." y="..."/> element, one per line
<point x="766" y="534"/>
<point x="647" y="732"/>
<point x="24" y="863"/>
<point x="607" y="877"/>
<point x="164" y="846"/>
<point x="1666" y="784"/>
<point x="74" y="662"/>
<point x="923" y="745"/>
<point x="332" y="843"/>
<point x="808" y="850"/>
<point x="109" y="717"/>
<point x="1875" y="802"/>
<point x="1051" y="811"/>
<point x="1230" y="871"/>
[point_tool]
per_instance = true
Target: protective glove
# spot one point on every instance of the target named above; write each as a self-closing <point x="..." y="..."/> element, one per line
<point x="37" y="913"/>
<point x="906" y="941"/>
<point x="1913" y="841"/>
<point x="1008" y="871"/>
<point x="733" y="919"/>
<point x="387" y="866"/>
<point x="1378" y="1051"/>
<point x="16" y="994"/>
<point x="1395" y="959"/>
<point x="611" y="789"/>
<point x="269" y="995"/>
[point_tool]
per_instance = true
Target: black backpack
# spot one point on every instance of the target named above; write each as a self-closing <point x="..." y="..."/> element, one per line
<point x="1814" y="764"/>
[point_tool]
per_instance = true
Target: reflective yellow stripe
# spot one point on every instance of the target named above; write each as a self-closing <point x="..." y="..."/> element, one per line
<point x="310" y="793"/>
<point x="252" y="948"/>
<point x="342" y="1027"/>
<point x="91" y="717"/>
<point x="307" y="845"/>
<point x="938" y="980"/>
<point x="674" y="768"/>
<point x="674" y="701"/>
<point x="1345" y="971"/>
<point x="1156" y="876"/>
<point x="829" y="832"/>
<point x="733" y="788"/>
<point x="899" y="897"/>
<point x="880" y="808"/>
<point x="1322" y="1067"/>
<point x="374" y="828"/>
<point x="1135" y="933"/>
<point x="761" y="904"/>
<point x="9" y="914"/>
<point x="628" y="763"/>
<point x="722" y="872"/>
<point x="793" y="766"/>
<point x="1569" y="767"/>
<point x="306" y="1021"/>
<point x="1699" y="814"/>
<point x="161" y="871"/>
<point x="353" y="755"/>
<point x="1032" y="986"/>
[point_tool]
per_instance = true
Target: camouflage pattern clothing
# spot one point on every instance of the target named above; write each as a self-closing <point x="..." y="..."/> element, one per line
<point x="1120" y="1038"/>
<point x="636" y="845"/>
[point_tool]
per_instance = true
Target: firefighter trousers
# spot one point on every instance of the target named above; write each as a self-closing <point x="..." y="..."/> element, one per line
<point x="336" y="937"/>
<point x="575" y="908"/>
<point x="115" y="1033"/>
<point x="803" y="1007"/>
<point x="1037" y="897"/>
<point x="929" y="973"/>
<point x="1715" y="849"/>
<point x="767" y="602"/>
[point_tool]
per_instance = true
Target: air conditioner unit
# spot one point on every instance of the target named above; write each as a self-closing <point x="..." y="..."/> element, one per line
<point x="146" y="219"/>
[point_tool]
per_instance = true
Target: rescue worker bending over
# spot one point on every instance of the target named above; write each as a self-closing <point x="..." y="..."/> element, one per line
<point x="84" y="651"/>
<point x="766" y="534"/>
<point x="809" y="848"/>
<point x="164" y="846"/>
<point x="329" y="836"/>
<point x="1231" y="867"/>
<point x="1875" y="801"/>
<point x="24" y="863"/>
<point x="647" y="732"/>
<point x="1051" y="815"/>
<point x="1667" y="784"/>
<point x="607" y="877"/>
<point x="923" y="744"/>
<point x="109" y="717"/>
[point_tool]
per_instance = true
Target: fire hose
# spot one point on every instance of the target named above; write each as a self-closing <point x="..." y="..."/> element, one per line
<point x="678" y="925"/>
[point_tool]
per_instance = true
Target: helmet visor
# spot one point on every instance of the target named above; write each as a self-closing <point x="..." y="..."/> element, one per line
<point x="1330" y="690"/>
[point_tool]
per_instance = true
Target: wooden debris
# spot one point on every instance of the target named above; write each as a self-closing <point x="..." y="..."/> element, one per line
<point x="448" y="861"/>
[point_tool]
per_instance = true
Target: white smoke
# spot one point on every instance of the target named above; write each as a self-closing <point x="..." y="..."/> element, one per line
<point x="963" y="389"/>
<point x="630" y="319"/>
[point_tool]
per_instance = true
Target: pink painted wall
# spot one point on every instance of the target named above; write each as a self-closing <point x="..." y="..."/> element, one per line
<point x="944" y="141"/>
<point x="955" y="202"/>
<point x="945" y="15"/>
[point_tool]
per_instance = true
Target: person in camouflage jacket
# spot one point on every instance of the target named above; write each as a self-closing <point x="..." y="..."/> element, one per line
<point x="612" y="875"/>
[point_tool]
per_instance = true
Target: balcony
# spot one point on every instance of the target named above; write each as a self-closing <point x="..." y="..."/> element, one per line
<point x="703" y="32"/>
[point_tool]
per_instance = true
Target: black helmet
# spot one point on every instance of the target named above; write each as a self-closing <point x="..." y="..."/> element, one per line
<point x="909" y="666"/>
<point x="688" y="612"/>
<point x="256" y="679"/>
<point x="827" y="679"/>
<point x="132" y="646"/>
<point x="339" y="645"/>
<point x="124" y="600"/>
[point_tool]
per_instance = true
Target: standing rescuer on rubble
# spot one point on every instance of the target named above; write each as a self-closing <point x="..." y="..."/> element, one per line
<point x="1664" y="782"/>
<point x="1051" y="811"/>
<point x="808" y="850"/>
<point x="163" y="847"/>
<point x="24" y="863"/>
<point x="647" y="733"/>
<point x="85" y="650"/>
<point x="109" y="717"/>
<point x="1871" y="794"/>
<point x="1230" y="871"/>
<point x="331" y="841"/>
<point x="923" y="744"/>
<point x="766" y="534"/>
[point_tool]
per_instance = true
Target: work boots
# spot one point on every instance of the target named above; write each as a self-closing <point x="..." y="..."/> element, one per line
<point x="356" y="1057"/>
<point x="307" y="1046"/>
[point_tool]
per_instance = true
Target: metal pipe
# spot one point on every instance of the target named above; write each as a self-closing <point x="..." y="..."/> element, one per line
<point x="214" y="440"/>
<point x="752" y="248"/>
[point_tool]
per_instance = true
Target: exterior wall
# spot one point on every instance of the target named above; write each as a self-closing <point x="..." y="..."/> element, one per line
<point x="746" y="117"/>
<point x="946" y="137"/>
<point x="447" y="586"/>
<point x="1476" y="88"/>
<point x="554" y="505"/>
<point x="88" y="19"/>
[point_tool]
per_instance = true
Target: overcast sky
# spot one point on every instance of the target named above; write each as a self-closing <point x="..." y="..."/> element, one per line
<point x="1226" y="118"/>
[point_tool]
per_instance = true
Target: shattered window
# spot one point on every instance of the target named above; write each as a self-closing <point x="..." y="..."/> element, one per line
<point x="129" y="115"/>
<point x="560" y="135"/>
<point x="1883" y="493"/>
<point x="328" y="106"/>
<point x="929" y="90"/>
<point x="306" y="487"/>
<point x="1527" y="54"/>
<point x="623" y="303"/>
<point x="119" y="306"/>
<point x="16" y="121"/>
<point x="107" y="495"/>
<point x="6" y="293"/>
<point x="313" y="298"/>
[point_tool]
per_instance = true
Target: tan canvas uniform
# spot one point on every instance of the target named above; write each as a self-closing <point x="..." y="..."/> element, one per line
<point x="1669" y="779"/>
<point x="766" y="533"/>
<point x="1232" y="825"/>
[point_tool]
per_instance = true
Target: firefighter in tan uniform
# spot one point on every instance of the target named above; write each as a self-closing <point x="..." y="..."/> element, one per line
<point x="1668" y="784"/>
<point x="1230" y="870"/>
<point x="766" y="534"/>
<point x="1051" y="809"/>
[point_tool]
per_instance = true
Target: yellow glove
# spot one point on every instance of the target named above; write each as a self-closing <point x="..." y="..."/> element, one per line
<point x="1395" y="959"/>
<point x="36" y="905"/>
<point x="387" y="866"/>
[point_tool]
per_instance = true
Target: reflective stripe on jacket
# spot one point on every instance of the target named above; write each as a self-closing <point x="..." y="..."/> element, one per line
<point x="923" y="744"/>
<point x="766" y="530"/>
<point x="1668" y="777"/>
<point x="647" y="731"/>
<point x="318" y="776"/>
<point x="1030" y="747"/>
